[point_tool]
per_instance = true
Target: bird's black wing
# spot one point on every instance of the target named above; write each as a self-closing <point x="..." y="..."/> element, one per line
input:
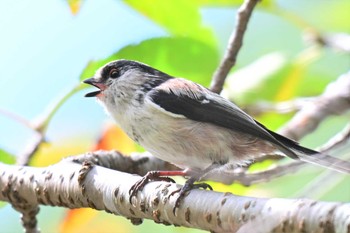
<point x="195" y="102"/>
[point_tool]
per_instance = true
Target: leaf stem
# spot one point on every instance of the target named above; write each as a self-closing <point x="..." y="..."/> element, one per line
<point x="44" y="121"/>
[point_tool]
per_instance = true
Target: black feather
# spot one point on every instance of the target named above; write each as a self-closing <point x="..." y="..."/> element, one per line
<point x="198" y="103"/>
<point x="200" y="107"/>
<point x="289" y="142"/>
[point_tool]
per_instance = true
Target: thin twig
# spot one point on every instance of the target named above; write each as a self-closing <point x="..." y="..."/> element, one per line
<point x="245" y="178"/>
<point x="338" y="41"/>
<point x="17" y="118"/>
<point x="338" y="140"/>
<point x="283" y="107"/>
<point x="31" y="148"/>
<point x="43" y="122"/>
<point x="40" y="126"/>
<point x="234" y="45"/>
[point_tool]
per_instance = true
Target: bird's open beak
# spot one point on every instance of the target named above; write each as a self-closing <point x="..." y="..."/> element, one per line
<point x="94" y="82"/>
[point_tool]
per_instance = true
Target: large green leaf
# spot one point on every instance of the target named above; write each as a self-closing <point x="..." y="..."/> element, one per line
<point x="180" y="57"/>
<point x="6" y="157"/>
<point x="180" y="17"/>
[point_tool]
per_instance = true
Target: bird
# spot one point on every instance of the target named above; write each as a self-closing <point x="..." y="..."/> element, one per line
<point x="186" y="124"/>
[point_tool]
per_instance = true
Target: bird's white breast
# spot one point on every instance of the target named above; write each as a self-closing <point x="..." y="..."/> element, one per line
<point x="184" y="142"/>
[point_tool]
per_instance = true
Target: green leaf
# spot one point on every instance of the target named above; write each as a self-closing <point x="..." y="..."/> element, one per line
<point x="180" y="17"/>
<point x="6" y="157"/>
<point x="3" y="204"/>
<point x="179" y="57"/>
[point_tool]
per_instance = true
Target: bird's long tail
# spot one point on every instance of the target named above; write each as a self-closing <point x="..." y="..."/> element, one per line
<point x="327" y="161"/>
<point x="294" y="150"/>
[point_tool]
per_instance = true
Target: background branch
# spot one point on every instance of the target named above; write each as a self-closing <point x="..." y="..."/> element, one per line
<point x="338" y="140"/>
<point x="234" y="45"/>
<point x="282" y="107"/>
<point x="338" y="41"/>
<point x="335" y="100"/>
<point x="41" y="124"/>
<point x="244" y="177"/>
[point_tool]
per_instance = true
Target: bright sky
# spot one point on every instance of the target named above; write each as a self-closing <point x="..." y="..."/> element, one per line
<point x="43" y="49"/>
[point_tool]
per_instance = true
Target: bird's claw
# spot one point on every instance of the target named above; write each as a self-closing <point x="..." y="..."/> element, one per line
<point x="137" y="186"/>
<point x="140" y="184"/>
<point x="189" y="185"/>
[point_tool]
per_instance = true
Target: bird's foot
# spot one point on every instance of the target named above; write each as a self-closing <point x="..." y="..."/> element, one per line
<point x="150" y="176"/>
<point x="188" y="186"/>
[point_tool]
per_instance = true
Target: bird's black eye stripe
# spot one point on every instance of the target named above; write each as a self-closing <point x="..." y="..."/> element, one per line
<point x="114" y="73"/>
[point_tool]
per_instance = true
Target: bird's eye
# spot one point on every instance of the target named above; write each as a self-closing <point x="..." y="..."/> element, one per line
<point x="114" y="73"/>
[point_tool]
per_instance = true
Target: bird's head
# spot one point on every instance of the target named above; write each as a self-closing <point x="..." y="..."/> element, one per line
<point x="124" y="79"/>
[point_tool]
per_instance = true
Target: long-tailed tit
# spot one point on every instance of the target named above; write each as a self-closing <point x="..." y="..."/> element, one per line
<point x="184" y="123"/>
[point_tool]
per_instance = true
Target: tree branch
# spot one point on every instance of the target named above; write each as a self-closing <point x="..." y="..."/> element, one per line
<point x="339" y="139"/>
<point x="337" y="41"/>
<point x="141" y="163"/>
<point x="283" y="107"/>
<point x="136" y="163"/>
<point x="28" y="215"/>
<point x="245" y="178"/>
<point x="72" y="185"/>
<point x="334" y="100"/>
<point x="234" y="45"/>
<point x="41" y="124"/>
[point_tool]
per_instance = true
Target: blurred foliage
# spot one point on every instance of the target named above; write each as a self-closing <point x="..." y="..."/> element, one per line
<point x="272" y="78"/>
<point x="273" y="73"/>
<point x="173" y="54"/>
<point x="6" y="157"/>
<point x="113" y="138"/>
<point x="51" y="153"/>
<point x="164" y="14"/>
<point x="228" y="3"/>
<point x="75" y="6"/>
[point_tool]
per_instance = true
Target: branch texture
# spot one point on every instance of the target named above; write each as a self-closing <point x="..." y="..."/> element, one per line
<point x="74" y="185"/>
